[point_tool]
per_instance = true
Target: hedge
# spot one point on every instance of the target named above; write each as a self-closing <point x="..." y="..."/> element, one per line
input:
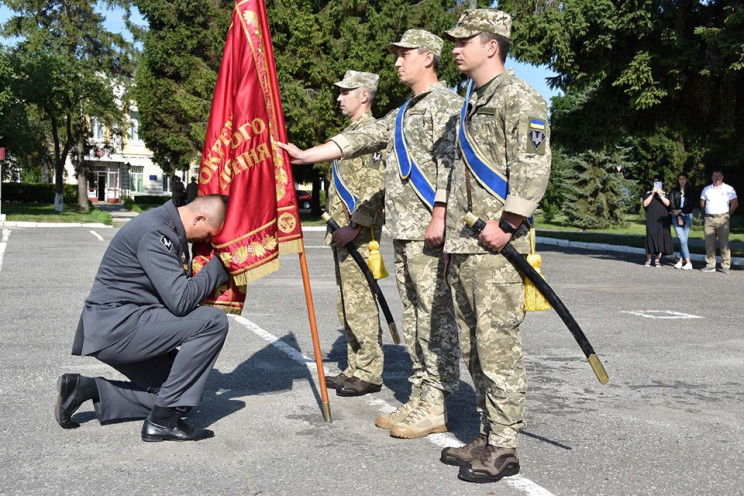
<point x="150" y="199"/>
<point x="37" y="193"/>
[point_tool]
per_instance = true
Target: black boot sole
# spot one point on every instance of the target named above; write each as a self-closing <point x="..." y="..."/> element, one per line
<point x="509" y="470"/>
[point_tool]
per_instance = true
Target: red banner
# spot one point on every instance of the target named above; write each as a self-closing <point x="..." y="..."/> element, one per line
<point x="242" y="160"/>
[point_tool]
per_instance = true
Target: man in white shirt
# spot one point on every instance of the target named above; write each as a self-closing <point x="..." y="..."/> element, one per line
<point x="718" y="201"/>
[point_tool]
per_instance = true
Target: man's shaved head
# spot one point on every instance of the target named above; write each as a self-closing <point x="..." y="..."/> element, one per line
<point x="204" y="217"/>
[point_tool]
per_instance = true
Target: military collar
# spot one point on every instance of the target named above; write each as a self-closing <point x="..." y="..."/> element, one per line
<point x="484" y="93"/>
<point x="362" y="120"/>
<point x="423" y="94"/>
<point x="175" y="222"/>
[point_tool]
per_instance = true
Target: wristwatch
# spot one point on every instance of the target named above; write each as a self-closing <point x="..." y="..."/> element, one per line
<point x="506" y="227"/>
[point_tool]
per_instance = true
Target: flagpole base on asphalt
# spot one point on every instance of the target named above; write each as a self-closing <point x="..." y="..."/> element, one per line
<point x="314" y="332"/>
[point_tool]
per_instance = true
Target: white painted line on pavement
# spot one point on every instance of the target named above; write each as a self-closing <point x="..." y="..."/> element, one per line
<point x="662" y="314"/>
<point x="441" y="440"/>
<point x="100" y="238"/>
<point x="3" y="244"/>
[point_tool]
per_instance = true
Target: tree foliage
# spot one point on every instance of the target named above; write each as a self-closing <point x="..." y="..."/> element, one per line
<point x="597" y="195"/>
<point x="642" y="68"/>
<point x="66" y="66"/>
<point x="315" y="42"/>
<point x="174" y="82"/>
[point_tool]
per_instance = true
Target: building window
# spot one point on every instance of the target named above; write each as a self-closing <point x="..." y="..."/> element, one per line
<point x="97" y="130"/>
<point x="134" y="127"/>
<point x="137" y="179"/>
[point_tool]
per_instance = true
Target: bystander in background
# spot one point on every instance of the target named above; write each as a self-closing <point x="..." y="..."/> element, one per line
<point x="658" y="236"/>
<point x="681" y="205"/>
<point x="718" y="201"/>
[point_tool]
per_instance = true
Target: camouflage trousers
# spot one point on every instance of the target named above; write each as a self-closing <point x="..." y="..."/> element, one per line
<point x="357" y="313"/>
<point x="429" y="326"/>
<point x="489" y="304"/>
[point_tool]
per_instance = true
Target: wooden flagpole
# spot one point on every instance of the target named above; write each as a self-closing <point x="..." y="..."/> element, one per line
<point x="314" y="333"/>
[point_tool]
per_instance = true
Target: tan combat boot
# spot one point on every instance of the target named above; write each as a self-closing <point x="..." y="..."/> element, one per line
<point x="464" y="454"/>
<point x="388" y="420"/>
<point x="425" y="419"/>
<point x="493" y="464"/>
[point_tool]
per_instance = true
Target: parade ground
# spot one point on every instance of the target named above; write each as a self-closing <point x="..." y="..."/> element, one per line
<point x="670" y="420"/>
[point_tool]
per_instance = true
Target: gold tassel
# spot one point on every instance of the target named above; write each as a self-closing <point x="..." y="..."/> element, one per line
<point x="374" y="261"/>
<point x="534" y="301"/>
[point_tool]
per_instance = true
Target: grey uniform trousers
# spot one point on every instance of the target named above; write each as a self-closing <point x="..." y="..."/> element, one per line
<point x="160" y="373"/>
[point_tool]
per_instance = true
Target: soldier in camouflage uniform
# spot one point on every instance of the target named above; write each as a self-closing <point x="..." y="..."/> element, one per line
<point x="361" y="182"/>
<point x="429" y="328"/>
<point x="507" y="122"/>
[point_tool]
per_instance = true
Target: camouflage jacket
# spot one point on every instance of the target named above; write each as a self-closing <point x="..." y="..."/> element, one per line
<point x="364" y="176"/>
<point x="501" y="122"/>
<point x="429" y="127"/>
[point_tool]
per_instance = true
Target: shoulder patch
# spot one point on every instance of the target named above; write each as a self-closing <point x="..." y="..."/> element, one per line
<point x="536" y="134"/>
<point x="167" y="243"/>
<point x="376" y="157"/>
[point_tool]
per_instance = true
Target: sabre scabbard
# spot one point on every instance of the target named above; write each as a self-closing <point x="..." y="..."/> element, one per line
<point x="529" y="272"/>
<point x="373" y="286"/>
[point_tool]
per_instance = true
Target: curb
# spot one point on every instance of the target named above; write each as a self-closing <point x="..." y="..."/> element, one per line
<point x="54" y="224"/>
<point x="603" y="247"/>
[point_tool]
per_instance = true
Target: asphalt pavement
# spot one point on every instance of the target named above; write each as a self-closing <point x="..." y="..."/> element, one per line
<point x="668" y="422"/>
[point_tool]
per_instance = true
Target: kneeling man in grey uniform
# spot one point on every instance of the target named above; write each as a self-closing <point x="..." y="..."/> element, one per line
<point x="143" y="306"/>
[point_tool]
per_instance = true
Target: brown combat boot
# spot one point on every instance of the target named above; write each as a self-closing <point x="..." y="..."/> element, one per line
<point x="334" y="381"/>
<point x="493" y="464"/>
<point x="464" y="454"/>
<point x="354" y="386"/>
<point x="388" y="420"/>
<point x="423" y="420"/>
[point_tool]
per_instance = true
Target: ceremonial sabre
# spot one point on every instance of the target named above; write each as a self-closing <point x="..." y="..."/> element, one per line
<point x="521" y="263"/>
<point x="376" y="291"/>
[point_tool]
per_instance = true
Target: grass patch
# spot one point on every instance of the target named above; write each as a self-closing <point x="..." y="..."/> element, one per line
<point x="634" y="233"/>
<point x="40" y="212"/>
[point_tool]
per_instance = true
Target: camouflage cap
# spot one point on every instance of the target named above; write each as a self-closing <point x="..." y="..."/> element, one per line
<point x="418" y="38"/>
<point x="477" y="21"/>
<point x="358" y="79"/>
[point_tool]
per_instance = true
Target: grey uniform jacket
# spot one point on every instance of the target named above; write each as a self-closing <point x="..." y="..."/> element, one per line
<point x="145" y="267"/>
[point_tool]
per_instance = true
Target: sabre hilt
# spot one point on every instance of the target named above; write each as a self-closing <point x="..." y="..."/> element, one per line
<point x="329" y="220"/>
<point x="473" y="221"/>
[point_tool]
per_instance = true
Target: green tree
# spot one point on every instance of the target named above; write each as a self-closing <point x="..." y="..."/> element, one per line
<point x="175" y="79"/>
<point x="67" y="67"/>
<point x="643" y="68"/>
<point x="597" y="194"/>
<point x="314" y="42"/>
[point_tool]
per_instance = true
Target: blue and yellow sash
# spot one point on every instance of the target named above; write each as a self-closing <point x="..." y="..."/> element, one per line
<point x="484" y="172"/>
<point x="408" y="168"/>
<point x="347" y="197"/>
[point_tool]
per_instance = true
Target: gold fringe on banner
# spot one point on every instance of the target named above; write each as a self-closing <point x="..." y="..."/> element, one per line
<point x="534" y="301"/>
<point x="374" y="261"/>
<point x="244" y="278"/>
<point x="231" y="310"/>
<point x="293" y="246"/>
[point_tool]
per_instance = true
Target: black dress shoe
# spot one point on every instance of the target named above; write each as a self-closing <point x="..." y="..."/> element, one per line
<point x="354" y="386"/>
<point x="153" y="433"/>
<point x="67" y="400"/>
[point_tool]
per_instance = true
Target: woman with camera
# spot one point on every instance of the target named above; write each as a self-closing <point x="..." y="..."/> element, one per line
<point x="681" y="204"/>
<point x="658" y="237"/>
